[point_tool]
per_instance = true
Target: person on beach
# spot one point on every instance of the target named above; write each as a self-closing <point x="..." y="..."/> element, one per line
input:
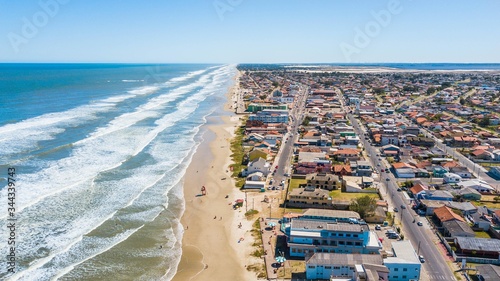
<point x="215" y="217"/>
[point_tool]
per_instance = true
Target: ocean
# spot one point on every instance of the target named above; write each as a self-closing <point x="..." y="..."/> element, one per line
<point x="99" y="152"/>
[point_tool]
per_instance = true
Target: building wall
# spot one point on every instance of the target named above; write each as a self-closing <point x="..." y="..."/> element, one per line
<point x="314" y="271"/>
<point x="403" y="271"/>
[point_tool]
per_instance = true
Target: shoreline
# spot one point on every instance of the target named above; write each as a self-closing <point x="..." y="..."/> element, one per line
<point x="211" y="245"/>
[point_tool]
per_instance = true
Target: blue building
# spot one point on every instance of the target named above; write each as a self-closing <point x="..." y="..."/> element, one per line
<point x="405" y="265"/>
<point x="331" y="231"/>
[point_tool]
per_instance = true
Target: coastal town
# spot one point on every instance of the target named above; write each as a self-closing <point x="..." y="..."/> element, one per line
<point x="369" y="173"/>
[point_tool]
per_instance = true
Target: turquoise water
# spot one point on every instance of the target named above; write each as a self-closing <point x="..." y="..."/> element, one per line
<point x="100" y="150"/>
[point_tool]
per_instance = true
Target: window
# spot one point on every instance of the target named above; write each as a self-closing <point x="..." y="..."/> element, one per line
<point x="312" y="266"/>
<point x="405" y="269"/>
<point x="349" y="243"/>
<point x="404" y="276"/>
<point x="348" y="235"/>
<point x="396" y="269"/>
<point x="354" y="235"/>
<point x="336" y="267"/>
<point x="358" y="244"/>
<point x="328" y="267"/>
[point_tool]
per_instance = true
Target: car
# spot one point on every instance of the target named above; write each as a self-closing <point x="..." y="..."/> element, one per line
<point x="378" y="164"/>
<point x="387" y="179"/>
<point x="378" y="227"/>
<point x="399" y="189"/>
<point x="421" y="258"/>
<point x="396" y="210"/>
<point x="420" y="223"/>
<point x="403" y="207"/>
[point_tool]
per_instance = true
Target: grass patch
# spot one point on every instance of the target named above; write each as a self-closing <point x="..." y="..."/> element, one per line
<point x="344" y="196"/>
<point x="482" y="234"/>
<point x="490" y="205"/>
<point x="294" y="183"/>
<point x="259" y="269"/>
<point x="250" y="214"/>
<point x="238" y="151"/>
<point x="290" y="268"/>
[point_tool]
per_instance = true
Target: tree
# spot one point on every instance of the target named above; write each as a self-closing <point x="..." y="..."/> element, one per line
<point x="306" y="121"/>
<point x="484" y="122"/>
<point x="364" y="205"/>
<point x="462" y="101"/>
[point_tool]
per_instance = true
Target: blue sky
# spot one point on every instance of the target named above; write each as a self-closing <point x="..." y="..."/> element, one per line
<point x="234" y="31"/>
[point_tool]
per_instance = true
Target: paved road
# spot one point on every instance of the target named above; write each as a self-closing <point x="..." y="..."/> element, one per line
<point x="286" y="150"/>
<point x="435" y="265"/>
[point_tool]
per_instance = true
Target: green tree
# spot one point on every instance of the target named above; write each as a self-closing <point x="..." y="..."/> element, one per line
<point x="484" y="122"/>
<point x="462" y="101"/>
<point x="306" y="121"/>
<point x="364" y="205"/>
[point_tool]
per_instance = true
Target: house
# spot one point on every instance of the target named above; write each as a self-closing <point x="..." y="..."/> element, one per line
<point x="468" y="193"/>
<point x="479" y="185"/>
<point x="465" y="208"/>
<point x="451" y="178"/>
<point x="420" y="141"/>
<point x="405" y="173"/>
<point x="259" y="185"/>
<point x="463" y="172"/>
<point x="258" y="165"/>
<point x="441" y="195"/>
<point x="480" y="221"/>
<point x="495" y="172"/>
<point x="342" y="170"/>
<point x="309" y="197"/>
<point x="455" y="228"/>
<point x="444" y="214"/>
<point x="418" y="188"/>
<point x="478" y="247"/>
<point x="404" y="265"/>
<point x="308" y="235"/>
<point x="390" y="150"/>
<point x="363" y="169"/>
<point x="324" y="181"/>
<point x="346" y="266"/>
<point x="346" y="154"/>
<point x="488" y="272"/>
<point x="256" y="176"/>
<point x="439" y="172"/>
<point x="305" y="168"/>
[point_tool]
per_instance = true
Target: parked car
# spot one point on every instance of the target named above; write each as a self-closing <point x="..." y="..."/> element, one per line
<point x="420" y="223"/>
<point x="421" y="258"/>
<point x="378" y="227"/>
<point x="396" y="210"/>
<point x="403" y="207"/>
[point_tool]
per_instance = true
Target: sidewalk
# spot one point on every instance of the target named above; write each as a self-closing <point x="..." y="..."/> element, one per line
<point x="269" y="239"/>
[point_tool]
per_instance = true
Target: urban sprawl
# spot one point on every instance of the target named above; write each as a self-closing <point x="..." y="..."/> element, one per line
<point x="370" y="174"/>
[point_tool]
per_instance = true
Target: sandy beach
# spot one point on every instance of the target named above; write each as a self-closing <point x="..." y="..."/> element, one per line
<point x="212" y="248"/>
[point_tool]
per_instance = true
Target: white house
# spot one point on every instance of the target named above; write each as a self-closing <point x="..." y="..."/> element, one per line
<point x="451" y="178"/>
<point x="345" y="266"/>
<point x="255" y="176"/>
<point x="405" y="265"/>
<point x="479" y="185"/>
<point x="405" y="173"/>
<point x="257" y="165"/>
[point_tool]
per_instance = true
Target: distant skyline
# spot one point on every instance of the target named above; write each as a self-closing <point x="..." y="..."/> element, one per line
<point x="250" y="31"/>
